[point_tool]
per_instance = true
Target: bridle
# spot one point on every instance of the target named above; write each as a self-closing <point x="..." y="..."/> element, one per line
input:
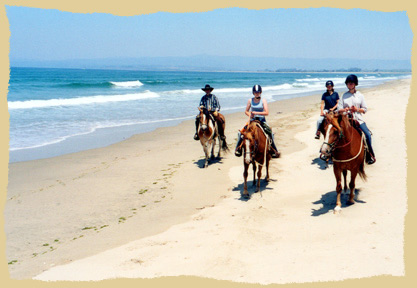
<point x="255" y="149"/>
<point x="333" y="146"/>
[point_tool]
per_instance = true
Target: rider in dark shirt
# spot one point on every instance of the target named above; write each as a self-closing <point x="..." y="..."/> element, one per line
<point x="329" y="103"/>
<point x="212" y="104"/>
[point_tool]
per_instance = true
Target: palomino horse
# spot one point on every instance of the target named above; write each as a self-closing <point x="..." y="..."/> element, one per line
<point x="347" y="148"/>
<point x="256" y="152"/>
<point x="208" y="133"/>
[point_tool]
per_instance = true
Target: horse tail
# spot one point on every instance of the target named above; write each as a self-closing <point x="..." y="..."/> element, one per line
<point x="361" y="171"/>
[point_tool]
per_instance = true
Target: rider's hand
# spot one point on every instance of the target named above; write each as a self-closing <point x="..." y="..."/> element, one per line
<point x="321" y="113"/>
<point x="215" y="113"/>
<point x="353" y="109"/>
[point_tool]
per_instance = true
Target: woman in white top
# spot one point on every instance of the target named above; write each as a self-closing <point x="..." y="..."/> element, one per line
<point x="353" y="101"/>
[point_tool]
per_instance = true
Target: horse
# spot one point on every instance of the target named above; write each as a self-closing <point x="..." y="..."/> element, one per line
<point x="208" y="134"/>
<point x="255" y="146"/>
<point x="347" y="148"/>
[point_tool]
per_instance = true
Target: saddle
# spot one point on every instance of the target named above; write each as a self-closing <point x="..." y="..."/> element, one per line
<point x="356" y="125"/>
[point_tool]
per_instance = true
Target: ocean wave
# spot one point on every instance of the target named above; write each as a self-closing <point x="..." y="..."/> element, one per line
<point x="80" y="100"/>
<point x="99" y="126"/>
<point x="80" y="85"/>
<point x="127" y="84"/>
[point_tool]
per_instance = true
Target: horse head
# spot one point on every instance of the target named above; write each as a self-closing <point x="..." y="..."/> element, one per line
<point x="204" y="119"/>
<point x="333" y="133"/>
<point x="249" y="142"/>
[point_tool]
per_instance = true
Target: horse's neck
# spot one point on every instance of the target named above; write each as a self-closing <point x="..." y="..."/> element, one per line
<point x="347" y="129"/>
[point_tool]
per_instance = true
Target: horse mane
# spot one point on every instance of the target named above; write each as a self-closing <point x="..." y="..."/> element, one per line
<point x="335" y="120"/>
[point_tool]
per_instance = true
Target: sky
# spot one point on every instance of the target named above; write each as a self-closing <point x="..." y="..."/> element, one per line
<point x="47" y="34"/>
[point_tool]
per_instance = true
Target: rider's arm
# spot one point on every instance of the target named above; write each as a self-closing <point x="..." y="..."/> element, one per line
<point x="340" y="107"/>
<point x="202" y="103"/>
<point x="247" y="111"/>
<point x="363" y="107"/>
<point x="335" y="106"/>
<point x="322" y="107"/>
<point x="263" y="113"/>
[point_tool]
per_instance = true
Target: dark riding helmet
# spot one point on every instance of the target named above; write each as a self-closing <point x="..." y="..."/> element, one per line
<point x="330" y="82"/>
<point x="352" y="79"/>
<point x="256" y="89"/>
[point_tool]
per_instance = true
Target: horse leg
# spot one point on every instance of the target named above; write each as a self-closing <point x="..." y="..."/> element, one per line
<point x="338" y="175"/>
<point x="206" y="152"/>
<point x="213" y="143"/>
<point x="220" y="147"/>
<point x="258" y="185"/>
<point x="344" y="180"/>
<point x="352" y="188"/>
<point x="245" y="178"/>
<point x="254" y="173"/>
<point x="267" y="169"/>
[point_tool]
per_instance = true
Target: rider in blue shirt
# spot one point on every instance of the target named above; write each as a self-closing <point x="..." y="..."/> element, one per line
<point x="329" y="103"/>
<point x="257" y="109"/>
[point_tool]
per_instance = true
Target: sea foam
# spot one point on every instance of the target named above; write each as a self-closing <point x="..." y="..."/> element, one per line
<point x="127" y="84"/>
<point x="80" y="100"/>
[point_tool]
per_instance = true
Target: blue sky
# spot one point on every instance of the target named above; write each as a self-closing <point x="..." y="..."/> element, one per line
<point x="47" y="34"/>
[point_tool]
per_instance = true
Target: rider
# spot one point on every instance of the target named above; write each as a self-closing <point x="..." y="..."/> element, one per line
<point x="329" y="103"/>
<point x="257" y="109"/>
<point x="354" y="102"/>
<point x="211" y="103"/>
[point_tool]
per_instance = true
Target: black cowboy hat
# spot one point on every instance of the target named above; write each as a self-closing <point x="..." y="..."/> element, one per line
<point x="207" y="87"/>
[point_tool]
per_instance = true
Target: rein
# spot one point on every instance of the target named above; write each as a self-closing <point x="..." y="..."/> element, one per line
<point x="256" y="147"/>
<point x="360" y="150"/>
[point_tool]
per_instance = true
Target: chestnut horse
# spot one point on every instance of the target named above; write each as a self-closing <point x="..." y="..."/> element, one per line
<point x="256" y="152"/>
<point x="208" y="133"/>
<point x="347" y="148"/>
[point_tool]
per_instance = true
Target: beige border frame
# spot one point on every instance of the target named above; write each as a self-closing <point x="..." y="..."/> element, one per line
<point x="129" y="8"/>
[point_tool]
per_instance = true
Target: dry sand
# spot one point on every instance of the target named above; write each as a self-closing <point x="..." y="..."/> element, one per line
<point x="146" y="208"/>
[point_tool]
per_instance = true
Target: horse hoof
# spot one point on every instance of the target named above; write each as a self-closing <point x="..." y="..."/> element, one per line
<point x="337" y="210"/>
<point x="246" y="196"/>
<point x="350" y="202"/>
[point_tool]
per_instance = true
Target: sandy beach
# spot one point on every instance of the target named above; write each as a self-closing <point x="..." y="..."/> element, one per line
<point x="146" y="207"/>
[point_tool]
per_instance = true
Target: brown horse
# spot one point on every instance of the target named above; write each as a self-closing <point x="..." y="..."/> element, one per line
<point x="322" y="130"/>
<point x="347" y="148"/>
<point x="256" y="152"/>
<point x="208" y="133"/>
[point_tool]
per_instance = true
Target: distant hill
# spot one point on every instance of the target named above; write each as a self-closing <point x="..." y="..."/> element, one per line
<point x="222" y="63"/>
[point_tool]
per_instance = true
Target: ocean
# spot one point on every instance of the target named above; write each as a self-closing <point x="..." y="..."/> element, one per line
<point x="60" y="111"/>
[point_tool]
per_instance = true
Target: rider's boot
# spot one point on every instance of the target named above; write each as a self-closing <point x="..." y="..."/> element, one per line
<point x="197" y="122"/>
<point x="238" y="150"/>
<point x="274" y="150"/>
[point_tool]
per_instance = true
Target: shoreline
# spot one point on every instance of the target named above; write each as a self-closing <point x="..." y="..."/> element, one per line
<point x="103" y="137"/>
<point x="139" y="188"/>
